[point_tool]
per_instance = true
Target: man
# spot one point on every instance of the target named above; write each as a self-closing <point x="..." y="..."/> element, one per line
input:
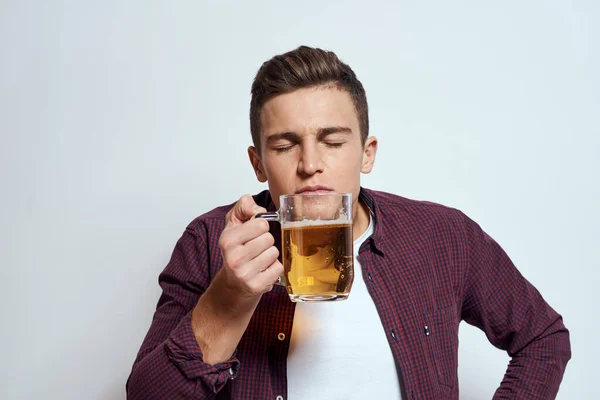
<point x="222" y="329"/>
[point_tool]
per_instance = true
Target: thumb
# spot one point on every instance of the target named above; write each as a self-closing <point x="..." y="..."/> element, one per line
<point x="243" y="210"/>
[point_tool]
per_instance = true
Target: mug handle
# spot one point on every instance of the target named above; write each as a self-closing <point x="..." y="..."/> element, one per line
<point x="272" y="216"/>
<point x="269" y="216"/>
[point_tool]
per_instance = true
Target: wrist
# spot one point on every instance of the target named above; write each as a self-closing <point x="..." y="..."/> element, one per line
<point x="227" y="300"/>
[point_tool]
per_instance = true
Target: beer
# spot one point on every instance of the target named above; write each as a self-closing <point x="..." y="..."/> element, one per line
<point x="318" y="260"/>
<point x="316" y="246"/>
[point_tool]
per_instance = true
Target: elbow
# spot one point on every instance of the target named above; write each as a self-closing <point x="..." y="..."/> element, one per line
<point x="563" y="346"/>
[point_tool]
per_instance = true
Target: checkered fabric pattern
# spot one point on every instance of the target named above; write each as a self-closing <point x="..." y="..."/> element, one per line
<point x="427" y="267"/>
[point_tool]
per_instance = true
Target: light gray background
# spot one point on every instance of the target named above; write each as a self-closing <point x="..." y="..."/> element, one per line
<point x="123" y="120"/>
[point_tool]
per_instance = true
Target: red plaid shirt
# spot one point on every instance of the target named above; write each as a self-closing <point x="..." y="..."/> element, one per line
<point x="427" y="267"/>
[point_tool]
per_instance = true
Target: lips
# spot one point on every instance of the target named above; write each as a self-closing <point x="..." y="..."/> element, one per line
<point x="318" y="189"/>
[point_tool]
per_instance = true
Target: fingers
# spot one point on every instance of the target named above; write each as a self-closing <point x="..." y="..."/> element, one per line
<point x="256" y="246"/>
<point x="249" y="257"/>
<point x="257" y="275"/>
<point x="241" y="234"/>
<point x="243" y="210"/>
<point x="263" y="282"/>
<point x="259" y="265"/>
<point x="272" y="273"/>
<point x="240" y="255"/>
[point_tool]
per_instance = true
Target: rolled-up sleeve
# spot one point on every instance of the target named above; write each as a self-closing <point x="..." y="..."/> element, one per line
<point x="169" y="363"/>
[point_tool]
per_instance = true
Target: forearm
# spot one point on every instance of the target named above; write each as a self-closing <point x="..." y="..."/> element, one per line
<point x="537" y="370"/>
<point x="181" y="358"/>
<point x="175" y="369"/>
<point x="156" y="377"/>
<point x="220" y="319"/>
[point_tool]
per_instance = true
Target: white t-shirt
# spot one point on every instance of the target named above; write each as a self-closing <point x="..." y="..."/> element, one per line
<point x="339" y="350"/>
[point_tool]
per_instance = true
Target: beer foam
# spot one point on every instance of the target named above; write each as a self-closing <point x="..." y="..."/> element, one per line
<point x="316" y="222"/>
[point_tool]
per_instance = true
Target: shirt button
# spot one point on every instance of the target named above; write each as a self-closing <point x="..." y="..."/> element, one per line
<point x="279" y="398"/>
<point x="281" y="337"/>
<point x="393" y="335"/>
<point x="371" y="279"/>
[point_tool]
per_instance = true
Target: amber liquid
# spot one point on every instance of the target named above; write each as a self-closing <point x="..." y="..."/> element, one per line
<point x="318" y="262"/>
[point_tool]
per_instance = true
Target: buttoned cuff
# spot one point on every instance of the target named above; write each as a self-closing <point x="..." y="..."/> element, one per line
<point x="183" y="351"/>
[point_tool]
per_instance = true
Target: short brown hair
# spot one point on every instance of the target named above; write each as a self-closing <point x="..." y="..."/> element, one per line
<point x="301" y="68"/>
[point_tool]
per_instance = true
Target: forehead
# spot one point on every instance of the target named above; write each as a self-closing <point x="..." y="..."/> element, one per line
<point x="308" y="109"/>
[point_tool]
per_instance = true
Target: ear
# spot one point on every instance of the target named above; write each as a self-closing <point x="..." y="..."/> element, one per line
<point x="369" y="153"/>
<point x="257" y="164"/>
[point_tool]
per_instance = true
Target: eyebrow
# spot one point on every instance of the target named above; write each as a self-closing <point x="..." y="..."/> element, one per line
<point x="322" y="132"/>
<point x="333" y="129"/>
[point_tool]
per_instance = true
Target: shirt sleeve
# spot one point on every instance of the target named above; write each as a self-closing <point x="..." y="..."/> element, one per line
<point x="514" y="316"/>
<point x="169" y="364"/>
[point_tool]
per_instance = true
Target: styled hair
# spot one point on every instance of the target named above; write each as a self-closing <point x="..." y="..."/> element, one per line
<point x="305" y="67"/>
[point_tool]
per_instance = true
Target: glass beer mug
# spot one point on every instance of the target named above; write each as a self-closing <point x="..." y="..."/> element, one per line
<point x="316" y="245"/>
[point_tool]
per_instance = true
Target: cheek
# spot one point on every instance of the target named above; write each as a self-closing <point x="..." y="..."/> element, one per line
<point x="347" y="171"/>
<point x="345" y="162"/>
<point x="279" y="170"/>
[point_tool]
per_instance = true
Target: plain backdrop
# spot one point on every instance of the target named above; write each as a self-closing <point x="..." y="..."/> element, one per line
<point x="121" y="121"/>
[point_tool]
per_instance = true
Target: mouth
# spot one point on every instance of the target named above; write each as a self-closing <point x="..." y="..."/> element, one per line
<point x="314" y="190"/>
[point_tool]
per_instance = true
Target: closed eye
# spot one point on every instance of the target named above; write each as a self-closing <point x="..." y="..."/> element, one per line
<point x="283" y="149"/>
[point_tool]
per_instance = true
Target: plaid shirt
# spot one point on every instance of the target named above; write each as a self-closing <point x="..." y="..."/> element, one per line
<point x="427" y="267"/>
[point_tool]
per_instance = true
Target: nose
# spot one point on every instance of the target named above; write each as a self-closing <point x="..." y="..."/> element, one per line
<point x="311" y="161"/>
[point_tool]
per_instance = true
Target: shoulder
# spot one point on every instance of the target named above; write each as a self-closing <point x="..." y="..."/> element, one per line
<point x="397" y="208"/>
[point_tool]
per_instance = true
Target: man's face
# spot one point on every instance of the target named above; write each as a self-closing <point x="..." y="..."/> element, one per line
<point x="310" y="142"/>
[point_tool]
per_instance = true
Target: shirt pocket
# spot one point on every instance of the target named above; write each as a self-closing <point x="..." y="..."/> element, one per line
<point x="441" y="330"/>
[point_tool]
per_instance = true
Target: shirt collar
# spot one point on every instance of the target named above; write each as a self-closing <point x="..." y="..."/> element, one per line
<point x="378" y="237"/>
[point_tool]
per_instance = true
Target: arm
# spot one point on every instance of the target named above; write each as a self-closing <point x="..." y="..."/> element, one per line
<point x="169" y="363"/>
<point x="250" y="267"/>
<point x="515" y="318"/>
<point x="188" y="351"/>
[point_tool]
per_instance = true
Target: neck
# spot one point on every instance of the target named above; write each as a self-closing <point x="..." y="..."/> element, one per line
<point x="361" y="219"/>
